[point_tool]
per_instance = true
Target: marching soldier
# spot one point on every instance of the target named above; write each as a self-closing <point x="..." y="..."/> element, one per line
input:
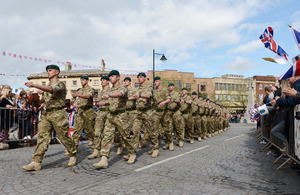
<point x="55" y="117"/>
<point x="160" y="95"/>
<point x="143" y="106"/>
<point x="196" y="116"/>
<point x="101" y="117"/>
<point x="185" y="109"/>
<point x="85" y="114"/>
<point x="116" y="100"/>
<point x="173" y="119"/>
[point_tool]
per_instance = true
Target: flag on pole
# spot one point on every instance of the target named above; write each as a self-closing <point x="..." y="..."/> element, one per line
<point x="277" y="59"/>
<point x="267" y="39"/>
<point x="292" y="71"/>
<point x="296" y="34"/>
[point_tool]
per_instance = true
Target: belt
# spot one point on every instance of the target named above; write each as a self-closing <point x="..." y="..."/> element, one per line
<point x="117" y="112"/>
<point x="103" y="109"/>
<point x="143" y="109"/>
<point x="85" y="107"/>
<point x="129" y="109"/>
<point x="54" y="109"/>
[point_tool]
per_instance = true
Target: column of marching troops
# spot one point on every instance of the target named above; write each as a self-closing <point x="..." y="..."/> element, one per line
<point x="124" y="113"/>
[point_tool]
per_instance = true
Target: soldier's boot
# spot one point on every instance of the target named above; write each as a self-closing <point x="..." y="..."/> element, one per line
<point x="209" y="135"/>
<point x="72" y="161"/>
<point x="33" y="166"/>
<point x="126" y="157"/>
<point x="150" y="152"/>
<point x="155" y="153"/>
<point x="205" y="138"/>
<point x="180" y="143"/>
<point x="90" y="143"/>
<point x="120" y="150"/>
<point x="192" y="141"/>
<point x="140" y="145"/>
<point x="166" y="147"/>
<point x="102" y="164"/>
<point x="171" y="146"/>
<point x="199" y="139"/>
<point x="95" y="154"/>
<point x="131" y="159"/>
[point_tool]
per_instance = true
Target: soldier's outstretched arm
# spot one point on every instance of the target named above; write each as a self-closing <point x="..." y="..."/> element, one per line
<point x="44" y="88"/>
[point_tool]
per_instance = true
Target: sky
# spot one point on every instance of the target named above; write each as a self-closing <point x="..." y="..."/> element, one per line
<point x="208" y="37"/>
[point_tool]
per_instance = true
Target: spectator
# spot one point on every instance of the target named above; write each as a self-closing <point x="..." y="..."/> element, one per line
<point x="279" y="130"/>
<point x="35" y="103"/>
<point x="24" y="115"/>
<point x="269" y="94"/>
<point x="6" y="104"/>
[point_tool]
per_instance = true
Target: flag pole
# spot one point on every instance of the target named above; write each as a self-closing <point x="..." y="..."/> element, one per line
<point x="290" y="62"/>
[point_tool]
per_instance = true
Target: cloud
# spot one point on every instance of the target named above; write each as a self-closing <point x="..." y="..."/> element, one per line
<point x="239" y="65"/>
<point x="122" y="33"/>
<point x="247" y="48"/>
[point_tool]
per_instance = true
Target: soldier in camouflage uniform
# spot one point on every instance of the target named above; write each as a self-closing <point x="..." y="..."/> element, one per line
<point x="85" y="114"/>
<point x="143" y="107"/>
<point x="160" y="95"/>
<point x="117" y="118"/>
<point x="130" y="111"/>
<point x="204" y="118"/>
<point x="101" y="117"/>
<point x="185" y="109"/>
<point x="196" y="116"/>
<point x="173" y="119"/>
<point x="55" y="117"/>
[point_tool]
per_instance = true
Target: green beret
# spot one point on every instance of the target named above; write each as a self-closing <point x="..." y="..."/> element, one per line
<point x="156" y="78"/>
<point x="105" y="77"/>
<point x="194" y="93"/>
<point x="114" y="72"/>
<point x="184" y="89"/>
<point x="141" y="74"/>
<point x="84" y="77"/>
<point x="200" y="95"/>
<point x="127" y="78"/>
<point x="170" y="84"/>
<point x="78" y="89"/>
<point x="52" y="66"/>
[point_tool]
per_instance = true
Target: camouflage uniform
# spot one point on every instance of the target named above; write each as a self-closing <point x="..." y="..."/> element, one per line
<point x="143" y="107"/>
<point x="196" y="118"/>
<point x="204" y="118"/>
<point x="116" y="118"/>
<point x="159" y="95"/>
<point x="55" y="117"/>
<point x="100" y="120"/>
<point x="173" y="119"/>
<point x="185" y="109"/>
<point x="85" y="116"/>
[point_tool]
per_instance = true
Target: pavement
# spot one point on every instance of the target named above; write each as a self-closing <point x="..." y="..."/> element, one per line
<point x="229" y="163"/>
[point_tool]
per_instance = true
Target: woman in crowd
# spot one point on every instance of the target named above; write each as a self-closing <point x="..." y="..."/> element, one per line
<point x="35" y="103"/>
<point x="24" y="115"/>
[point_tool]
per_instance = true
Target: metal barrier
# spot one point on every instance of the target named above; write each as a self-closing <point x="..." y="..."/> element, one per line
<point x="18" y="124"/>
<point x="271" y="120"/>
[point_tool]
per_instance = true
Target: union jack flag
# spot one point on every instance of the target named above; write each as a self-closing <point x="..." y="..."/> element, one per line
<point x="292" y="71"/>
<point x="2" y="135"/>
<point x="267" y="39"/>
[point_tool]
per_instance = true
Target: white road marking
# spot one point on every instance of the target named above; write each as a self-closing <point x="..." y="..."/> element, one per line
<point x="234" y="137"/>
<point x="168" y="159"/>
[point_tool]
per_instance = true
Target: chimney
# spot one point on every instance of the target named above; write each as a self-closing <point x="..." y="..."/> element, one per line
<point x="68" y="66"/>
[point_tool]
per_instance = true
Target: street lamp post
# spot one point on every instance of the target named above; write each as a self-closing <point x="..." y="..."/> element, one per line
<point x="163" y="58"/>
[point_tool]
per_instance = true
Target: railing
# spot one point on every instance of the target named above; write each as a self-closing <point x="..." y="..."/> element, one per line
<point x="268" y="122"/>
<point x="18" y="125"/>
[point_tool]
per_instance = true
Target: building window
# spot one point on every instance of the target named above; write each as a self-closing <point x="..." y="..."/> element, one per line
<point x="178" y="84"/>
<point x="203" y="88"/>
<point x="233" y="87"/>
<point x="228" y="97"/>
<point x="43" y="83"/>
<point x="188" y="86"/>
<point x="271" y="85"/>
<point x="266" y="85"/>
<point x="74" y="83"/>
<point x="136" y="84"/>
<point x="220" y="86"/>
<point x="225" y="86"/>
<point x="216" y="86"/>
<point x="96" y="82"/>
<point x="229" y="86"/>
